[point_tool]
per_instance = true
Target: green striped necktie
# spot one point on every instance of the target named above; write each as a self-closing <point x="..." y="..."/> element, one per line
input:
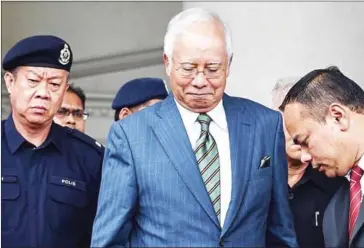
<point x="207" y="157"/>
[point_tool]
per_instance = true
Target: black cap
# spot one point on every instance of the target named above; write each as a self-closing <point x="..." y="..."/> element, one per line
<point x="39" y="51"/>
<point x="139" y="90"/>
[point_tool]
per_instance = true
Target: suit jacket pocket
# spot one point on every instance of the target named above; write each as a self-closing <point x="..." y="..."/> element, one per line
<point x="259" y="186"/>
<point x="261" y="173"/>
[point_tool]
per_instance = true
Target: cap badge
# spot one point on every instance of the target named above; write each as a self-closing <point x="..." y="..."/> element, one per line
<point x="65" y="55"/>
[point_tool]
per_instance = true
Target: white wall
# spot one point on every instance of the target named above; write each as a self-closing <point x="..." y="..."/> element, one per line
<point x="112" y="42"/>
<point x="99" y="123"/>
<point x="275" y="40"/>
<point x="272" y="40"/>
<point x="93" y="29"/>
<point x="110" y="83"/>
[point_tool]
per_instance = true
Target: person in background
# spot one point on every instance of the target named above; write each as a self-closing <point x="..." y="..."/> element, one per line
<point x="138" y="94"/>
<point x="72" y="111"/>
<point x="200" y="168"/>
<point x="310" y="191"/>
<point x="50" y="175"/>
<point x="324" y="114"/>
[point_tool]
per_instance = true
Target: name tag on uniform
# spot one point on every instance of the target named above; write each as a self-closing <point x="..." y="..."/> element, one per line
<point x="68" y="182"/>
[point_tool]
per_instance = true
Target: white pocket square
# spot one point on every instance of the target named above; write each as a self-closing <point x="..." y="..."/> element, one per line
<point x="265" y="162"/>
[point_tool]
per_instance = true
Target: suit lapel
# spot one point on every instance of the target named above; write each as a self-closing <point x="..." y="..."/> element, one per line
<point x="359" y="223"/>
<point x="241" y="136"/>
<point x="335" y="223"/>
<point x="172" y="135"/>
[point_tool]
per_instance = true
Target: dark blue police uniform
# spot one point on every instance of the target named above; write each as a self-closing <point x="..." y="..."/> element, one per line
<point x="49" y="193"/>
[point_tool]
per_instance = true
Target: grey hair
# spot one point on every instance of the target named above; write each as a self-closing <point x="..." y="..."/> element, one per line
<point x="281" y="89"/>
<point x="185" y="18"/>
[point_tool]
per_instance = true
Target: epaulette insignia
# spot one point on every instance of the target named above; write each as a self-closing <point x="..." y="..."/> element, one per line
<point x="98" y="144"/>
<point x="86" y="139"/>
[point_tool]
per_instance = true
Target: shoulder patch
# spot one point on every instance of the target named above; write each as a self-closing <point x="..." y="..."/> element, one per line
<point x="86" y="139"/>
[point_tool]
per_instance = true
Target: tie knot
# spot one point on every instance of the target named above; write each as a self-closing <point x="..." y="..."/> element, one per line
<point x="356" y="173"/>
<point x="205" y="121"/>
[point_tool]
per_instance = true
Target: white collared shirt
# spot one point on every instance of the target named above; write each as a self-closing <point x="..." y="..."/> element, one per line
<point x="219" y="130"/>
<point x="361" y="165"/>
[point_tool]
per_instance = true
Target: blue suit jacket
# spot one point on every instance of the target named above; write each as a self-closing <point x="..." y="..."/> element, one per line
<point x="152" y="193"/>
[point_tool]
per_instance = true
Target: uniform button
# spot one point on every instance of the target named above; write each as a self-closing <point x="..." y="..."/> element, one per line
<point x="290" y="196"/>
<point x="221" y="243"/>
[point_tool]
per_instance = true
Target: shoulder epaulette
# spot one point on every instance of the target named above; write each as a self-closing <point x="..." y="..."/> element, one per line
<point x="86" y="139"/>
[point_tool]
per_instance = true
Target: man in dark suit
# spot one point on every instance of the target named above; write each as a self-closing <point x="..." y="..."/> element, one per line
<point x="324" y="113"/>
<point x="200" y="168"/>
<point x="310" y="191"/>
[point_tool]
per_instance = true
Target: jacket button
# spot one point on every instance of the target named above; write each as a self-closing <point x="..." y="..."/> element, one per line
<point x="221" y="243"/>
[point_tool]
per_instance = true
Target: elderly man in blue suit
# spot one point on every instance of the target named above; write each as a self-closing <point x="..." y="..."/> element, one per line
<point x="200" y="168"/>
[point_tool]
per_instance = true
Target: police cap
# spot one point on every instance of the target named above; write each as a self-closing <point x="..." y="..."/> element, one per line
<point x="39" y="51"/>
<point x="139" y="90"/>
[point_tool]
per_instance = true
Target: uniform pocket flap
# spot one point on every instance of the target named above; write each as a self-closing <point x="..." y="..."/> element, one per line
<point x="9" y="179"/>
<point x="68" y="191"/>
<point x="10" y="188"/>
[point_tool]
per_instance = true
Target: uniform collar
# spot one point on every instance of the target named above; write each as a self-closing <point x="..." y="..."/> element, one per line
<point x="56" y="136"/>
<point x="15" y="139"/>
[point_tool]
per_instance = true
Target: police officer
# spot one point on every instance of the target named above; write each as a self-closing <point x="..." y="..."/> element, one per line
<point x="50" y="174"/>
<point x="138" y="94"/>
<point x="72" y="111"/>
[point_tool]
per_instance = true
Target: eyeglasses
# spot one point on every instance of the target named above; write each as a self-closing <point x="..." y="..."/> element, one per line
<point x="77" y="113"/>
<point x="211" y="71"/>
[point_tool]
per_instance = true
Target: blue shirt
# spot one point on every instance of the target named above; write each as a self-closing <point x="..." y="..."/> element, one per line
<point x="48" y="193"/>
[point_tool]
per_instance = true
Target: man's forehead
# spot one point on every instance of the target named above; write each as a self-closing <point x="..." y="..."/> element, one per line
<point x="293" y="118"/>
<point x="200" y="57"/>
<point x="71" y="106"/>
<point x="43" y="71"/>
<point x="203" y="39"/>
<point x="295" y="107"/>
<point x="72" y="100"/>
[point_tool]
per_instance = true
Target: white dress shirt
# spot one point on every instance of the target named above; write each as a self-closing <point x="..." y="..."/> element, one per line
<point x="219" y="130"/>
<point x="361" y="165"/>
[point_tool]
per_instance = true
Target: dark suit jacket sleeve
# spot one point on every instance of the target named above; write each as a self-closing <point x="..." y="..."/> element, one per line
<point x="280" y="222"/>
<point x="118" y="193"/>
